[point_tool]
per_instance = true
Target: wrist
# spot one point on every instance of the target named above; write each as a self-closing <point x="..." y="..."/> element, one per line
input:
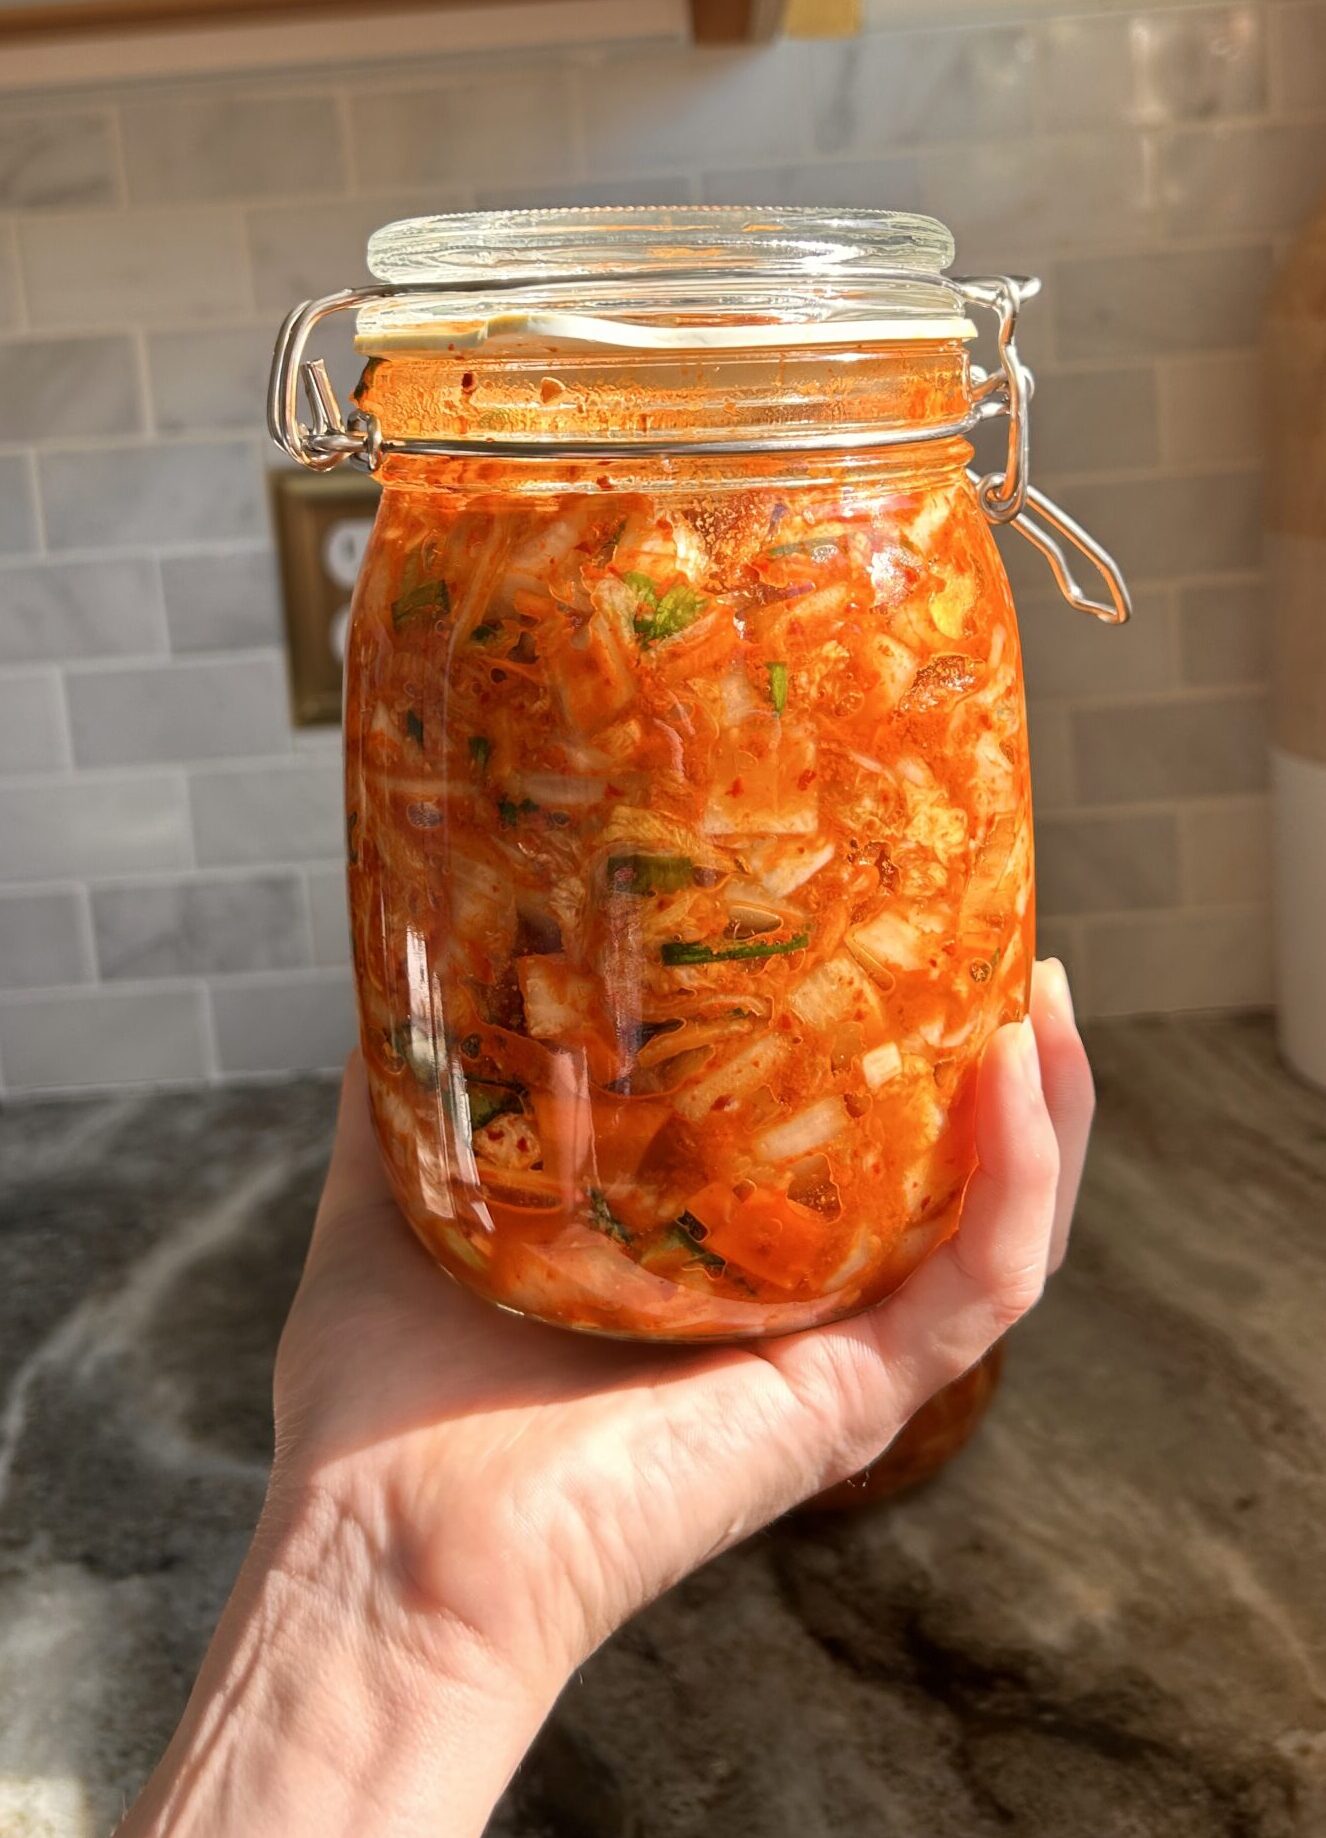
<point x="330" y="1702"/>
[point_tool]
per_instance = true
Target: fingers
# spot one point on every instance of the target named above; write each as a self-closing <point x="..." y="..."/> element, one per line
<point x="879" y="1368"/>
<point x="1069" y="1092"/>
<point x="993" y="1270"/>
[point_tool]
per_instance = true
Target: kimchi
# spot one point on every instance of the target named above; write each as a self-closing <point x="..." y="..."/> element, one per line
<point x="690" y="850"/>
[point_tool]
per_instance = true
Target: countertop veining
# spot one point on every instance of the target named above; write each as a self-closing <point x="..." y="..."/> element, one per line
<point x="1106" y="1620"/>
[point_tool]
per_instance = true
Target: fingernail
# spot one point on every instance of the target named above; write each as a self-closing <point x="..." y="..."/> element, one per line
<point x="1029" y="1053"/>
<point x="1061" y="994"/>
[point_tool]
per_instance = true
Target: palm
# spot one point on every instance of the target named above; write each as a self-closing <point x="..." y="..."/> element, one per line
<point x="476" y="1436"/>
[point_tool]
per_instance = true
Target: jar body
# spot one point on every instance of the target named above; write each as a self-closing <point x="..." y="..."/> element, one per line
<point x="690" y="872"/>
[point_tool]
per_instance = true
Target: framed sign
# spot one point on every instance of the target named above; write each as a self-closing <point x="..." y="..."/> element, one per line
<point x="322" y="522"/>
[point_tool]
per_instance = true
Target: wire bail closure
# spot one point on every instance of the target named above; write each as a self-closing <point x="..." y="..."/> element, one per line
<point x="328" y="438"/>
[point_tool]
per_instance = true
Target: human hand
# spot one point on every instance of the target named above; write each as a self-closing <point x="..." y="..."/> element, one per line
<point x="484" y="1499"/>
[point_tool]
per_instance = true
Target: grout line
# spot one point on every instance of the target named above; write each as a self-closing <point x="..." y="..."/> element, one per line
<point x="22" y="309"/>
<point x="115" y="135"/>
<point x="306" y="909"/>
<point x="38" y="503"/>
<point x="302" y="976"/>
<point x="146" y="394"/>
<point x="211" y="1045"/>
<point x="64" y="718"/>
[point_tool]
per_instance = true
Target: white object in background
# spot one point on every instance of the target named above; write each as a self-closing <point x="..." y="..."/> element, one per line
<point x="1299" y="892"/>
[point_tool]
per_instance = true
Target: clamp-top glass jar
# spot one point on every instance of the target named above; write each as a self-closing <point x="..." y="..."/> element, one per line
<point x="690" y="846"/>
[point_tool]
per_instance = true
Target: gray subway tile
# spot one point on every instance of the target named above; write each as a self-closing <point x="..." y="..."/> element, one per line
<point x="69" y="386"/>
<point x="1300" y="55"/>
<point x="896" y="90"/>
<point x="1157" y="528"/>
<point x="496" y="128"/>
<point x="178" y="711"/>
<point x="1194" y="64"/>
<point x="42" y="940"/>
<point x="301" y="250"/>
<point x="18" y="506"/>
<point x="1098" y="864"/>
<point x="126" y="497"/>
<point x="1067" y="654"/>
<point x="215" y="378"/>
<point x="1226" y="850"/>
<point x="31" y="723"/>
<point x="1257" y="179"/>
<point x="149" y="266"/>
<point x="54" y="160"/>
<point x="102" y="1037"/>
<point x="226" y="602"/>
<point x="1160" y="301"/>
<point x="1211" y="409"/>
<point x="210" y="147"/>
<point x="327" y="907"/>
<point x="1225" y="633"/>
<point x="273" y="1026"/>
<point x="1095" y="420"/>
<point x="77" y="828"/>
<point x="80" y="609"/>
<point x="1051" y="751"/>
<point x="1024" y="196"/>
<point x="1170" y="748"/>
<point x="651" y="111"/>
<point x="269" y="814"/>
<point x="212" y="378"/>
<point x="1212" y="959"/>
<point x="893" y="182"/>
<point x="1061" y="938"/>
<point x="200" y="927"/>
<point x="648" y="188"/>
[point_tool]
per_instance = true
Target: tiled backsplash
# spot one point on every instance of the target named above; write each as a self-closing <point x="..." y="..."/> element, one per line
<point x="171" y="903"/>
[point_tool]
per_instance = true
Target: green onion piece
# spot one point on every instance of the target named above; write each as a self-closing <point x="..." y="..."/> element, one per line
<point x="414" y="726"/>
<point x="604" y="1219"/>
<point x="679" y="607"/>
<point x="777" y="686"/>
<point x="684" y="951"/>
<point x="649" y="873"/>
<point x="681" y="1237"/>
<point x="430" y="599"/>
<point x="642" y="587"/>
<point x="489" y="1101"/>
<point x="480" y="752"/>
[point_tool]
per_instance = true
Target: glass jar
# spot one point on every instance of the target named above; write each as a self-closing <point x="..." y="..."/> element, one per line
<point x="687" y="790"/>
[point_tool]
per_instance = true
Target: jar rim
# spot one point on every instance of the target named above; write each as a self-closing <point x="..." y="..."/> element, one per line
<point x="675" y="275"/>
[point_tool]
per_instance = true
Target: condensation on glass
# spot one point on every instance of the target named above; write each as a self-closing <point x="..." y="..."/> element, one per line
<point x="686" y="763"/>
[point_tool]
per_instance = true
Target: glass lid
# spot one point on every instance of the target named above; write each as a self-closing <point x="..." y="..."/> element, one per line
<point x="662" y="277"/>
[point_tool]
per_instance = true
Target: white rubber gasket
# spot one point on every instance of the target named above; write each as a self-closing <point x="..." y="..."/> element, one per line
<point x="584" y="331"/>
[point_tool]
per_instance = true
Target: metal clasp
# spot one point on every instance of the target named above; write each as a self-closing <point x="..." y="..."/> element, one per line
<point x="327" y="438"/>
<point x="1005" y="496"/>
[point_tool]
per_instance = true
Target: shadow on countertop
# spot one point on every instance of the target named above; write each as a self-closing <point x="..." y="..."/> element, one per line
<point x="1105" y="1620"/>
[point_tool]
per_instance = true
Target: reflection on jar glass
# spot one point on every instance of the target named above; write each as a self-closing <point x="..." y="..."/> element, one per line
<point x="687" y="785"/>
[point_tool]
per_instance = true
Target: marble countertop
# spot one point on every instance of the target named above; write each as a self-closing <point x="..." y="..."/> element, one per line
<point x="1106" y="1620"/>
